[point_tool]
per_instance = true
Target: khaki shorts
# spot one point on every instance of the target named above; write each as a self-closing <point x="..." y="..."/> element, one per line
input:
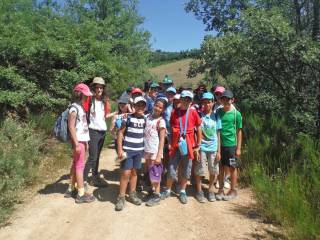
<point x="206" y="157"/>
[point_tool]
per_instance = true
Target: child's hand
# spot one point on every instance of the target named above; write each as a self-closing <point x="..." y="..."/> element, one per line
<point x="196" y="154"/>
<point x="238" y="152"/>
<point x="77" y="149"/>
<point x="120" y="154"/>
<point x="158" y="160"/>
<point x="218" y="157"/>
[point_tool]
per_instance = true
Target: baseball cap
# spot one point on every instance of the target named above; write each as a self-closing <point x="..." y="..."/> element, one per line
<point x="154" y="85"/>
<point x="171" y="89"/>
<point x="227" y="94"/>
<point x="207" y="95"/>
<point x="139" y="99"/>
<point x="177" y="96"/>
<point x="98" y="80"/>
<point x="83" y="88"/>
<point x="186" y="93"/>
<point x="123" y="99"/>
<point x="136" y="90"/>
<point x="155" y="172"/>
<point x="219" y="89"/>
<point x="167" y="80"/>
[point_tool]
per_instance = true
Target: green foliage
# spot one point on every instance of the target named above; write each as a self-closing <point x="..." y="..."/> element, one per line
<point x="19" y="158"/>
<point x="47" y="48"/>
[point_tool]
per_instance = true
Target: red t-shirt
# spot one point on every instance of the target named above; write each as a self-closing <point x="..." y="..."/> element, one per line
<point x="107" y="107"/>
<point x="194" y="121"/>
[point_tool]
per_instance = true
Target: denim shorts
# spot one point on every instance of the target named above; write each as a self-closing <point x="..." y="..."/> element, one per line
<point x="174" y="162"/>
<point x="133" y="161"/>
<point x="206" y="157"/>
<point x="228" y="157"/>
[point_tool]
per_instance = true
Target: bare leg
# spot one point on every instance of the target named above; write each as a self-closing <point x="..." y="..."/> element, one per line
<point x="133" y="180"/>
<point x="124" y="179"/>
<point x="198" y="183"/>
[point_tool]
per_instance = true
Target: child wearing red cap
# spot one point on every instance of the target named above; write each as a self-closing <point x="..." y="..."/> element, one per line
<point x="79" y="134"/>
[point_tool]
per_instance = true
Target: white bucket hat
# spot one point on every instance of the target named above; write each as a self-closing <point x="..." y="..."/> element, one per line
<point x="98" y="80"/>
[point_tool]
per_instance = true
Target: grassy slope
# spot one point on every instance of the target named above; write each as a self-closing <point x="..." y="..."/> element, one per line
<point x="178" y="72"/>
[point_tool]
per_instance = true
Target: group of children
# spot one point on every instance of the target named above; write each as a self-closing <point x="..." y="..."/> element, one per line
<point x="178" y="133"/>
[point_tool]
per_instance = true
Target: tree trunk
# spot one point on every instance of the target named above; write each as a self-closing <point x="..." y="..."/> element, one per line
<point x="297" y="7"/>
<point x="316" y="20"/>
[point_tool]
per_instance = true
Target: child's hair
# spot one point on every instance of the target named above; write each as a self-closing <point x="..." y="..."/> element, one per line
<point x="76" y="97"/>
<point x="164" y="102"/>
<point x="119" y="109"/>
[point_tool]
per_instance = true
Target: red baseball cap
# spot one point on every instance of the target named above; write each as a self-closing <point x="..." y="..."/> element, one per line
<point x="219" y="89"/>
<point x="83" y="88"/>
<point x="136" y="90"/>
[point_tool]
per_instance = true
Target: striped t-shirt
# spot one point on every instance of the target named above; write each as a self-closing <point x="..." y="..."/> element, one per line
<point x="133" y="138"/>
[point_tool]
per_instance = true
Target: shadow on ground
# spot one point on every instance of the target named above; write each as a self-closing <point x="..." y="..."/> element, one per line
<point x="56" y="187"/>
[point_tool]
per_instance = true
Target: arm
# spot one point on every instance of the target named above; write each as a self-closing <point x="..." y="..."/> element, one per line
<point x="112" y="124"/>
<point x="218" y="157"/>
<point x="72" y="129"/>
<point x="197" y="148"/>
<point x="109" y="115"/>
<point x="239" y="142"/>
<point x="119" y="140"/>
<point x="162" y="134"/>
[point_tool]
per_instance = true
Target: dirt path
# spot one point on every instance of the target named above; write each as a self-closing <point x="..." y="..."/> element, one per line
<point x="50" y="216"/>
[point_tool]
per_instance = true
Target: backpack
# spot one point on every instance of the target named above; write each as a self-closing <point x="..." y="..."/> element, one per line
<point x="60" y="130"/>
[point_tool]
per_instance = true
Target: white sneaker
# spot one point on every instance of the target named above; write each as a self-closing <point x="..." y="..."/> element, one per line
<point x="227" y="183"/>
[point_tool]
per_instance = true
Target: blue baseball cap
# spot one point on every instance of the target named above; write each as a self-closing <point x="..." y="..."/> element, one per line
<point x="207" y="95"/>
<point x="186" y="93"/>
<point x="171" y="89"/>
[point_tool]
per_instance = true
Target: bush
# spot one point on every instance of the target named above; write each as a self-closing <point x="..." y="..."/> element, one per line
<point x="19" y="159"/>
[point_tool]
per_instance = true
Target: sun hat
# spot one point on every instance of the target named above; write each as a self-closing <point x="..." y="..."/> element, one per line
<point x="123" y="99"/>
<point x="177" y="96"/>
<point x="219" y="89"/>
<point x="227" y="94"/>
<point x="136" y="90"/>
<point x="207" y="95"/>
<point x="139" y="99"/>
<point x="83" y="88"/>
<point x="171" y="89"/>
<point x="186" y="93"/>
<point x="98" y="80"/>
<point x="155" y="172"/>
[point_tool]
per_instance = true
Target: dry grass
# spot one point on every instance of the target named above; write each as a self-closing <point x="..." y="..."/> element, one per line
<point x="177" y="71"/>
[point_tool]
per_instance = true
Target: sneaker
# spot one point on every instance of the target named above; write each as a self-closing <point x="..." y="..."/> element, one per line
<point x="70" y="194"/>
<point x="133" y="198"/>
<point x="97" y="181"/>
<point x="230" y="196"/>
<point x="211" y="197"/>
<point x="216" y="185"/>
<point x="121" y="201"/>
<point x="219" y="196"/>
<point x="86" y="187"/>
<point x="183" y="198"/>
<point x="200" y="197"/>
<point x="86" y="198"/>
<point x="165" y="194"/>
<point x="154" y="200"/>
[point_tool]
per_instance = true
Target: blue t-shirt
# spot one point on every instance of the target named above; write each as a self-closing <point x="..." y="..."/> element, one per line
<point x="209" y="126"/>
<point x="150" y="104"/>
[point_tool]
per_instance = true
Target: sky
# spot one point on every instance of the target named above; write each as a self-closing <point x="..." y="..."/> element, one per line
<point x="171" y="27"/>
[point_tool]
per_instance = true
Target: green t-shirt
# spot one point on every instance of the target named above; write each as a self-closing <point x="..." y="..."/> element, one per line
<point x="229" y="125"/>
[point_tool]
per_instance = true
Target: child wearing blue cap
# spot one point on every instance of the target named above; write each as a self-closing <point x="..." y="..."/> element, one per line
<point x="209" y="148"/>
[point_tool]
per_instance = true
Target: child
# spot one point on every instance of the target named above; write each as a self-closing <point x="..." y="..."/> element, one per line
<point x="231" y="138"/>
<point x="79" y="133"/>
<point x="130" y="140"/>
<point x="185" y="145"/>
<point x="154" y="135"/>
<point x="210" y="148"/>
<point x="117" y="119"/>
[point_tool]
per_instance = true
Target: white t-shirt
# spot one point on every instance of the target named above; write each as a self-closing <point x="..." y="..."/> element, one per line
<point x="151" y="134"/>
<point x="82" y="130"/>
<point x="97" y="116"/>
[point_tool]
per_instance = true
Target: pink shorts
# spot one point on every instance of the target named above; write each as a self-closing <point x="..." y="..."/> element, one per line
<point x="151" y="156"/>
<point x="78" y="159"/>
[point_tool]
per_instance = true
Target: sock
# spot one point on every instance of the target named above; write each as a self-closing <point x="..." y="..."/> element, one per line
<point x="182" y="191"/>
<point x="71" y="188"/>
<point x="81" y="192"/>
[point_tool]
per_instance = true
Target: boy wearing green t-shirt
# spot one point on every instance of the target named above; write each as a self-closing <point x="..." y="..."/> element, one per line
<point x="231" y="137"/>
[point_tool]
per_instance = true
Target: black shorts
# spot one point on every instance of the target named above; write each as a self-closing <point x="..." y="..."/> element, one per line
<point x="228" y="157"/>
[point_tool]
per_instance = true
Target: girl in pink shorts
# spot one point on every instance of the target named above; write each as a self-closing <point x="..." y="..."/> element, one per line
<point x="79" y="134"/>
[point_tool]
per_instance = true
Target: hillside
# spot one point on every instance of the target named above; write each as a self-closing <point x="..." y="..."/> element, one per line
<point x="177" y="71"/>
